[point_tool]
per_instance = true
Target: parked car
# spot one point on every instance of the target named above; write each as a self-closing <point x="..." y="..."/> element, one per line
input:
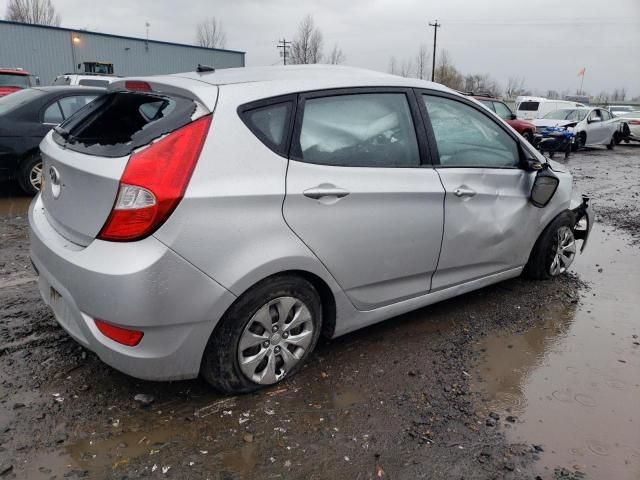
<point x="592" y="126"/>
<point x="217" y="223"/>
<point x="85" y="79"/>
<point x="632" y="120"/>
<point x="620" y="110"/>
<point x="524" y="128"/>
<point x="531" y="108"/>
<point x="25" y="118"/>
<point x="12" y="80"/>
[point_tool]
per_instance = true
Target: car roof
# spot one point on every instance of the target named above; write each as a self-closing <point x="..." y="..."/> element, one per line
<point x="482" y="97"/>
<point x="297" y="78"/>
<point x="12" y="71"/>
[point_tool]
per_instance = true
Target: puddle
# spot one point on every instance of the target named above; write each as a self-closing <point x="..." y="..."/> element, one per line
<point x="573" y="382"/>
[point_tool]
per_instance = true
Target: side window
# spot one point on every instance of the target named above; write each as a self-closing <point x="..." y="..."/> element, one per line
<point x="488" y="104"/>
<point x="71" y="105"/>
<point x="466" y="137"/>
<point x="595" y="116"/>
<point x="502" y="110"/>
<point x="270" y="124"/>
<point x="359" y="130"/>
<point x="605" y="115"/>
<point x="53" y="114"/>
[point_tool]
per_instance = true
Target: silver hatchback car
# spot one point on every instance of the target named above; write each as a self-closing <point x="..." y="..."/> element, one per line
<point x="217" y="223"/>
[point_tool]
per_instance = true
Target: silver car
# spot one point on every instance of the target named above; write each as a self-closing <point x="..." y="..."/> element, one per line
<point x="217" y="223"/>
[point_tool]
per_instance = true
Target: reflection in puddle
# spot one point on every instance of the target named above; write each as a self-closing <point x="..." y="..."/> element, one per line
<point x="573" y="381"/>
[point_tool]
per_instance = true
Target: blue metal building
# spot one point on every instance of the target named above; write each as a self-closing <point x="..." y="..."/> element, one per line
<point x="47" y="52"/>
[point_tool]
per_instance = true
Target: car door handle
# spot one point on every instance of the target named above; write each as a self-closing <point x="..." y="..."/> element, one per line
<point x="464" y="192"/>
<point x="325" y="190"/>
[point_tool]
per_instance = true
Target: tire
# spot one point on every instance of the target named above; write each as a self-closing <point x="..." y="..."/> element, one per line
<point x="30" y="174"/>
<point x="581" y="141"/>
<point x="244" y="320"/>
<point x="528" y="136"/>
<point x="612" y="143"/>
<point x="541" y="261"/>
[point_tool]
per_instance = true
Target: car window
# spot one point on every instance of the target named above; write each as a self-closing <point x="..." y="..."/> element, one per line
<point x="359" y="130"/>
<point x="71" y="105"/>
<point x="269" y="124"/>
<point x="468" y="138"/>
<point x="488" y="104"/>
<point x="53" y="114"/>
<point x="605" y="115"/>
<point x="502" y="110"/>
<point x="529" y="106"/>
<point x="595" y="116"/>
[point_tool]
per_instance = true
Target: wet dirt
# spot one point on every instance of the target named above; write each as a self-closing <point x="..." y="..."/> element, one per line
<point x="409" y="398"/>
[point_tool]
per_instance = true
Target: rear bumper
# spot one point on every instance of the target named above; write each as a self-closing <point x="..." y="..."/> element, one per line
<point x="139" y="285"/>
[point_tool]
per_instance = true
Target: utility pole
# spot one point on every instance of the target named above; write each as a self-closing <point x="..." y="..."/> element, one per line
<point x="284" y="45"/>
<point x="435" y="36"/>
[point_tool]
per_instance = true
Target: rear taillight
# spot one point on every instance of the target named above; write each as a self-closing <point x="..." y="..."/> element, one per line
<point x="137" y="86"/>
<point x="634" y="122"/>
<point x="125" y="336"/>
<point x="154" y="182"/>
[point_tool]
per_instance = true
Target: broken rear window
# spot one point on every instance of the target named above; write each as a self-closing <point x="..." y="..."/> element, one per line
<point x="119" y="122"/>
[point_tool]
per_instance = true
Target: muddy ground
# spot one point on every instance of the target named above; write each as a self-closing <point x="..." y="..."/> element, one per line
<point x="450" y="391"/>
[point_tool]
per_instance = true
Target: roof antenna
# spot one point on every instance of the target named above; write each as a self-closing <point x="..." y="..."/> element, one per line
<point x="204" y="68"/>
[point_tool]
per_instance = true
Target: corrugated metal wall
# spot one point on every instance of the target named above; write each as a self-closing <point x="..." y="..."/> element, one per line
<point x="48" y="52"/>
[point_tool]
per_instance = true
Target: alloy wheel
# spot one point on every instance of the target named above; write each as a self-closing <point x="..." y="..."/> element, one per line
<point x="564" y="251"/>
<point x="275" y="339"/>
<point x="35" y="176"/>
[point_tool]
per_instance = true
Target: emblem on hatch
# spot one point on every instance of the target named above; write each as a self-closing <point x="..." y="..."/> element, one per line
<point x="56" y="185"/>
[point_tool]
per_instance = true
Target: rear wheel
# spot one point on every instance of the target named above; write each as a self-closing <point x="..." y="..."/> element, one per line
<point x="266" y="336"/>
<point x="554" y="250"/>
<point x="30" y="174"/>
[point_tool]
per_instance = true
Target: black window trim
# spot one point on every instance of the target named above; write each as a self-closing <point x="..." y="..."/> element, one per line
<point x="295" y="153"/>
<point x="291" y="101"/>
<point x="44" y="109"/>
<point x="435" y="155"/>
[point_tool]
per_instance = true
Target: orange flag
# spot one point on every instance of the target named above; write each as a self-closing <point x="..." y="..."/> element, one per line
<point x="581" y="72"/>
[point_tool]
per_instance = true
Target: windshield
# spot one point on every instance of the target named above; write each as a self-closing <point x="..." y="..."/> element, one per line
<point x="15" y="100"/>
<point x="10" y="80"/>
<point x="577" y="114"/>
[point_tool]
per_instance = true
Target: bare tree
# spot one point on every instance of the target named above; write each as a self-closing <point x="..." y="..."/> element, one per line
<point x="306" y="47"/>
<point x="406" y="69"/>
<point x="515" y="87"/>
<point x="422" y="61"/>
<point x="446" y="72"/>
<point x="482" y="83"/>
<point x="336" y="57"/>
<point x="41" y="12"/>
<point x="553" y="94"/>
<point x="393" y="65"/>
<point x="210" y="34"/>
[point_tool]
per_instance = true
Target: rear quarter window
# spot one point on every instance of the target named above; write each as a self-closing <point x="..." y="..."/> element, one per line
<point x="270" y="122"/>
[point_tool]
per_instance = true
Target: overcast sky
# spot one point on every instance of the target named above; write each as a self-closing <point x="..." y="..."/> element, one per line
<point x="545" y="41"/>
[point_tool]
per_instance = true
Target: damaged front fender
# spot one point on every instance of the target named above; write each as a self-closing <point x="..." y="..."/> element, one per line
<point x="583" y="218"/>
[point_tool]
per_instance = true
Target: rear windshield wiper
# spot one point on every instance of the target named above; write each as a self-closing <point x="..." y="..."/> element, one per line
<point x="63" y="133"/>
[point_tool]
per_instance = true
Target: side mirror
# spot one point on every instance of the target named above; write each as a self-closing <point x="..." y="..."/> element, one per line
<point x="544" y="187"/>
<point x="513" y="116"/>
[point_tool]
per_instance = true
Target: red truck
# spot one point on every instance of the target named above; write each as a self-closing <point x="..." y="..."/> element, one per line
<point x="524" y="128"/>
<point x="12" y="80"/>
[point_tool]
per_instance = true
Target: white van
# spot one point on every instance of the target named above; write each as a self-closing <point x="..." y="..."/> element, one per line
<point x="85" y="79"/>
<point x="531" y="108"/>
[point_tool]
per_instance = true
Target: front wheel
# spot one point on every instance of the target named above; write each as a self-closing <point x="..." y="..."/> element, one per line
<point x="612" y="143"/>
<point x="528" y="136"/>
<point x="554" y="251"/>
<point x="30" y="174"/>
<point x="266" y="336"/>
<point x="580" y="141"/>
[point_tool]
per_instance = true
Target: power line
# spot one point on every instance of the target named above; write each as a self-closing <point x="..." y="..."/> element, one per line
<point x="284" y="45"/>
<point x="435" y="36"/>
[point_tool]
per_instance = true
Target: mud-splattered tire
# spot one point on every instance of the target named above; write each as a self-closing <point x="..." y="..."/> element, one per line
<point x="243" y="324"/>
<point x="30" y="174"/>
<point x="580" y="141"/>
<point x="541" y="261"/>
